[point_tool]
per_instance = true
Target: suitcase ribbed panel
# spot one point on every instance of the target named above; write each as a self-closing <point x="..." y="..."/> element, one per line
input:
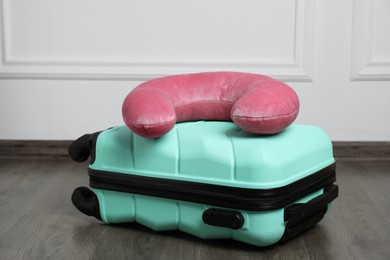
<point x="260" y="228"/>
<point x="217" y="153"/>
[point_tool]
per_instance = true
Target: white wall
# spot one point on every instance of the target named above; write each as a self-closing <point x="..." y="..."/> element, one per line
<point x="66" y="66"/>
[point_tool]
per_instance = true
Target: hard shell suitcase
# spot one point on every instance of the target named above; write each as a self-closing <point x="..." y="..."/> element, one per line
<point x="210" y="179"/>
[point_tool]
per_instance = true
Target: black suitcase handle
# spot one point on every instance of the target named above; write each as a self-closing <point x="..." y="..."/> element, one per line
<point x="302" y="216"/>
<point x="223" y="218"/>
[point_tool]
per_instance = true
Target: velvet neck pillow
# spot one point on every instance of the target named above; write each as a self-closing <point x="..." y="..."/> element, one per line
<point x="257" y="104"/>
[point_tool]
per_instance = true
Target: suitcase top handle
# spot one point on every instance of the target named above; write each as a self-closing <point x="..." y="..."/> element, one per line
<point x="256" y="103"/>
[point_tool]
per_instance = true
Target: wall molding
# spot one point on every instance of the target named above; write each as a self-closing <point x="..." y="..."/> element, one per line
<point x="34" y="149"/>
<point x="364" y="66"/>
<point x="296" y="68"/>
<point x="361" y="150"/>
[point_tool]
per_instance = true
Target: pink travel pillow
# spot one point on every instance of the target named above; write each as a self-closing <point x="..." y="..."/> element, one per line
<point x="256" y="103"/>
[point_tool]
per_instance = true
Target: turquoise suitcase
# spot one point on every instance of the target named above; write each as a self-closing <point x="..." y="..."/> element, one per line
<point x="210" y="179"/>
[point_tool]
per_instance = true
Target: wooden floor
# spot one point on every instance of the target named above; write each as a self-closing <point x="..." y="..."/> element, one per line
<point x="38" y="221"/>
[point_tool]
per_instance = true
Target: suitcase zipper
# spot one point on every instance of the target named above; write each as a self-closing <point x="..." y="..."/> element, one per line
<point x="216" y="195"/>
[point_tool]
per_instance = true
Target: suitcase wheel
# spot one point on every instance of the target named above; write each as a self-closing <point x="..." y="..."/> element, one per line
<point x="86" y="201"/>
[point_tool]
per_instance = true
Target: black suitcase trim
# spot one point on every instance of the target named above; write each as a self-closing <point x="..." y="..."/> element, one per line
<point x="216" y="195"/>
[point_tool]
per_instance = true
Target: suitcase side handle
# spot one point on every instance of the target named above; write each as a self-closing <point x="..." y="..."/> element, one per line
<point x="223" y="218"/>
<point x="302" y="216"/>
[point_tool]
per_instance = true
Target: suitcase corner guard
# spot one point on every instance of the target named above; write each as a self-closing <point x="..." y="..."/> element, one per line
<point x="86" y="201"/>
<point x="83" y="147"/>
